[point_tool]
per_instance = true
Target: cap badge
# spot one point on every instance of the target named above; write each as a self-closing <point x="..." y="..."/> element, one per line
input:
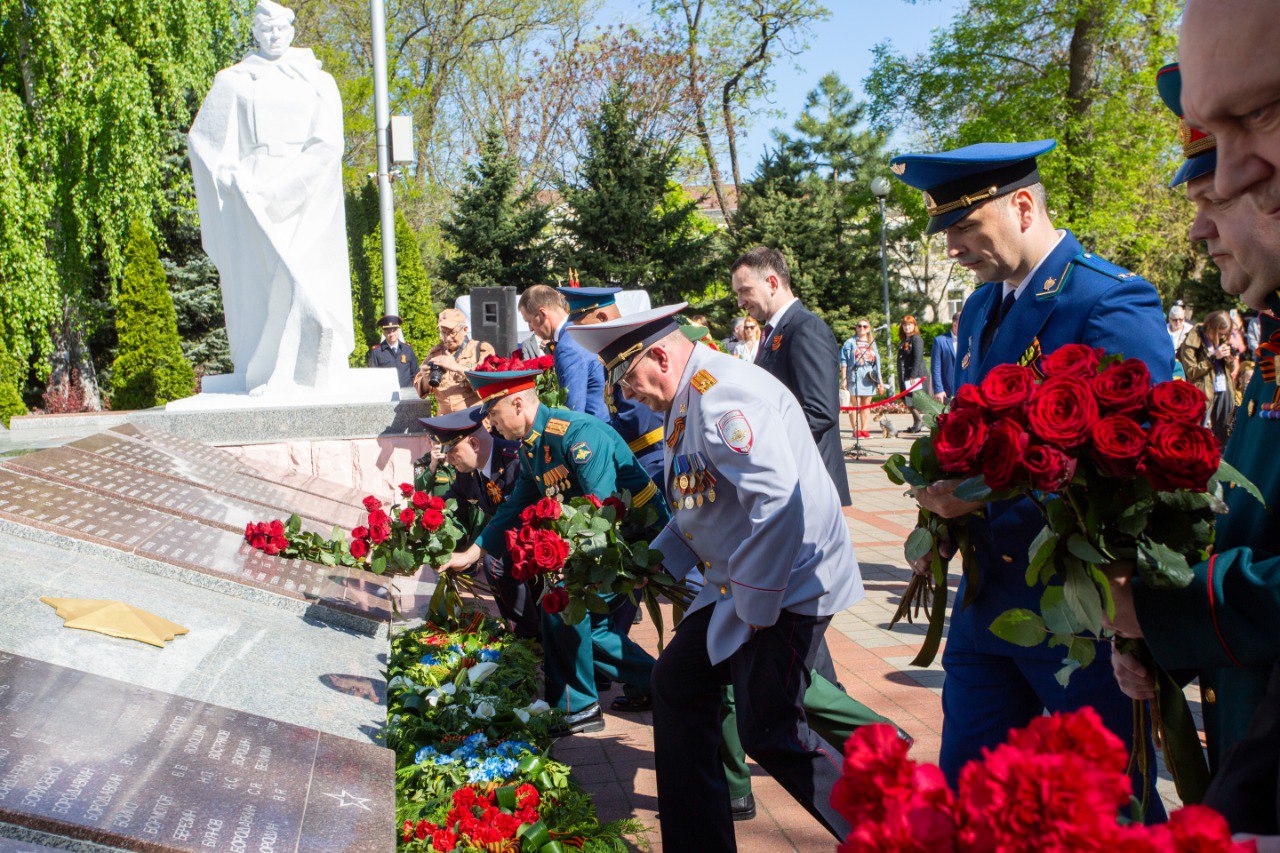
<point x="898" y="168"/>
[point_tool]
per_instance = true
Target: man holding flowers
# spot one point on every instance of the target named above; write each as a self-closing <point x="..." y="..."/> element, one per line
<point x="1043" y="291"/>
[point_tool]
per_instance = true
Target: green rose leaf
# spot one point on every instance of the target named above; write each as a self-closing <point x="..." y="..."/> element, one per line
<point x="1080" y="547"/>
<point x="919" y="544"/>
<point x="1040" y="552"/>
<point x="1082" y="597"/>
<point x="1161" y="567"/>
<point x="1019" y="626"/>
<point x="1227" y="473"/>
<point x="973" y="489"/>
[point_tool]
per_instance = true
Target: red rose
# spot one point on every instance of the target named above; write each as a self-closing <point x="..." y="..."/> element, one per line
<point x="1008" y="387"/>
<point x="276" y="528"/>
<point x="379" y="533"/>
<point x="547" y="509"/>
<point x="435" y="502"/>
<point x="420" y="499"/>
<point x="271" y="547"/>
<point x="1118" y="445"/>
<point x="594" y="501"/>
<point x="1177" y="401"/>
<point x="371" y="503"/>
<point x="618" y="507"/>
<point x="545" y="362"/>
<point x="249" y="530"/>
<point x="1048" y="468"/>
<point x="493" y="363"/>
<point x="1181" y="456"/>
<point x="359" y="548"/>
<point x="359" y="533"/>
<point x="968" y="397"/>
<point x="432" y="519"/>
<point x="549" y="551"/>
<point x="1062" y="411"/>
<point x="405" y="490"/>
<point x="555" y="600"/>
<point x="1002" y="455"/>
<point x="408" y="516"/>
<point x="1072" y="360"/>
<point x="1123" y="388"/>
<point x="958" y="441"/>
<point x="529" y="515"/>
<point x="378" y="517"/>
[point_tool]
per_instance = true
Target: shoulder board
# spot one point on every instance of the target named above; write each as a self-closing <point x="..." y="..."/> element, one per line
<point x="375" y="346"/>
<point x="702" y="381"/>
<point x="1101" y="265"/>
<point x="556" y="426"/>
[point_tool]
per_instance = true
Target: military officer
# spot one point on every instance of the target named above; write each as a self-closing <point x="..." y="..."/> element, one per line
<point x="486" y="472"/>
<point x="755" y="509"/>
<point x="1043" y="290"/>
<point x="569" y="454"/>
<point x="394" y="352"/>
<point x="639" y="426"/>
<point x="1222" y="624"/>
<point x="580" y="375"/>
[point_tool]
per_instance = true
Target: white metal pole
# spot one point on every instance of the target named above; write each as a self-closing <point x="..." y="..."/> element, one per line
<point x="382" y="121"/>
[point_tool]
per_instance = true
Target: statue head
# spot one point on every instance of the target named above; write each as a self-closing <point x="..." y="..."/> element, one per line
<point x="272" y="28"/>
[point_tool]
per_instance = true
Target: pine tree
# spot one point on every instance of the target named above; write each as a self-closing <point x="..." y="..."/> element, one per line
<point x="149" y="369"/>
<point x="496" y="231"/>
<point x="623" y="229"/>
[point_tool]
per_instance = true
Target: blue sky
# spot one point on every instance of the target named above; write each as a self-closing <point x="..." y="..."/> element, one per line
<point x="842" y="44"/>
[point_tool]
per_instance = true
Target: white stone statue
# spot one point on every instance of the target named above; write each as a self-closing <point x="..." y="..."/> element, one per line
<point x="266" y="152"/>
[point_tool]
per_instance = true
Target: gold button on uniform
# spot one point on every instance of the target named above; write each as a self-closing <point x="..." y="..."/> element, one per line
<point x="1251" y="407"/>
<point x="688" y="536"/>
<point x="1209" y="696"/>
<point x="724" y="590"/>
<point x="1006" y="558"/>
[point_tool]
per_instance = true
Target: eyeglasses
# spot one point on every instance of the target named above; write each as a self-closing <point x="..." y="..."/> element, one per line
<point x="864" y="326"/>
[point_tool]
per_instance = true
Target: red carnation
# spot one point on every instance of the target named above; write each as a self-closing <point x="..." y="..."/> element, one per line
<point x="968" y="397"/>
<point x="1048" y="468"/>
<point x="1075" y="360"/>
<point x="371" y="503"/>
<point x="1080" y="733"/>
<point x="547" y="509"/>
<point x="1123" y="388"/>
<point x="549" y="551"/>
<point x="1062" y="411"/>
<point x="359" y="533"/>
<point x="1200" y="829"/>
<point x="406" y="490"/>
<point x="958" y="441"/>
<point x="1002" y="454"/>
<point x="379" y="533"/>
<point x="618" y="507"/>
<point x="408" y="516"/>
<point x="1181" y="456"/>
<point x="555" y="600"/>
<point x="359" y="548"/>
<point x="1176" y="401"/>
<point x="432" y="519"/>
<point x="1118" y="445"/>
<point x="875" y="770"/>
<point x="1008" y="387"/>
<point x="594" y="501"/>
<point x="420" y="499"/>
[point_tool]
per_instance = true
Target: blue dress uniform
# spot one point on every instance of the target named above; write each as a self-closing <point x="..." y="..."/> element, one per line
<point x="580" y="374"/>
<point x="756" y="512"/>
<point x="1221" y="626"/>
<point x="479" y="493"/>
<point x="571" y="454"/>
<point x="1073" y="296"/>
<point x="639" y="426"/>
<point x="402" y="357"/>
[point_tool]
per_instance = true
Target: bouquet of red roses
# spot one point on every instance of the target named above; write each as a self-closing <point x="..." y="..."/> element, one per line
<point x="1058" y="784"/>
<point x="585" y="548"/>
<point x="549" y="391"/>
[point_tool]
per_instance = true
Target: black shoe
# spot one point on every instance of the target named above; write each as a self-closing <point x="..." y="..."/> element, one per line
<point x="603" y="685"/>
<point x="743" y="808"/>
<point x="908" y="738"/>
<point x="589" y="719"/>
<point x="632" y="704"/>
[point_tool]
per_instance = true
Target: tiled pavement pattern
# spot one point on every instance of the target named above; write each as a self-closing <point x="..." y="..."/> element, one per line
<point x="616" y="765"/>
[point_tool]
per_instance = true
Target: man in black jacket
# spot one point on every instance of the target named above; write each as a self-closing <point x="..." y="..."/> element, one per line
<point x="487" y="468"/>
<point x="798" y="348"/>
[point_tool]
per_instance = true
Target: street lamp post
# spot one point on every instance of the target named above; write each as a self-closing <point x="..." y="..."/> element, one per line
<point x="381" y="123"/>
<point x="880" y="189"/>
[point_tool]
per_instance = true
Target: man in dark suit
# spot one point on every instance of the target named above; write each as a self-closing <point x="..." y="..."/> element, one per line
<point x="942" y="363"/>
<point x="797" y="348"/>
<point x="486" y="469"/>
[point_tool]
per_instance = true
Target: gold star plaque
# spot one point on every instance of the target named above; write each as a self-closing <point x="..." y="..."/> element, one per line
<point x="115" y="619"/>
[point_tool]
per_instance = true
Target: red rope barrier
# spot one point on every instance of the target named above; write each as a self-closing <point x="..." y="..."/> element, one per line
<point x="910" y="390"/>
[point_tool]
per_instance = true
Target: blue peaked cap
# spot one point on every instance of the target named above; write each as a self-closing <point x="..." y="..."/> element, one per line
<point x="584" y="299"/>
<point x="956" y="182"/>
<point x="445" y="428"/>
<point x="1199" y="149"/>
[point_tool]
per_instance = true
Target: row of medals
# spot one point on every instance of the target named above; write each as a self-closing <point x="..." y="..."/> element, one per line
<point x="693" y="480"/>
<point x="556" y="480"/>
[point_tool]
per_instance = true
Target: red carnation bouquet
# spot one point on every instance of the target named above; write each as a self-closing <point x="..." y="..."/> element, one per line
<point x="549" y="391"/>
<point x="1058" y="784"/>
<point x="1120" y="471"/>
<point x="585" y="548"/>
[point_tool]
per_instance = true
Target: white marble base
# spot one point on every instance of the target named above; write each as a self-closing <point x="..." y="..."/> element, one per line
<point x="222" y="392"/>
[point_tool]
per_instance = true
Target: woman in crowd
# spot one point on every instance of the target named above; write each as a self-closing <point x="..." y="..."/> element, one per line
<point x="861" y="360"/>
<point x="911" y="365"/>
<point x="1209" y="362"/>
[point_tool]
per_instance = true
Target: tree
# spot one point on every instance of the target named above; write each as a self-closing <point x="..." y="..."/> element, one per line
<point x="149" y="369"/>
<point x="621" y="229"/>
<point x="1080" y="71"/>
<point x="496" y="230"/>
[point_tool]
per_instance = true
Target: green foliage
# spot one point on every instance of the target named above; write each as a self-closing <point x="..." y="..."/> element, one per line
<point x="495" y="230"/>
<point x="624" y="227"/>
<point x="149" y="369"/>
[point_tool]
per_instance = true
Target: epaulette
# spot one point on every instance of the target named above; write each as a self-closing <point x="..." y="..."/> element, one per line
<point x="1101" y="265"/>
<point x="702" y="381"/>
<point x="556" y="426"/>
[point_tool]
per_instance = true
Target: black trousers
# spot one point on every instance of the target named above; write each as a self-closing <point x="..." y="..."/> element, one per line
<point x="517" y="600"/>
<point x="769" y="674"/>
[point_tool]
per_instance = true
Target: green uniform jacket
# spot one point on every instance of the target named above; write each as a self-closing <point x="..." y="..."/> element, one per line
<point x="1224" y="625"/>
<point x="571" y="454"/>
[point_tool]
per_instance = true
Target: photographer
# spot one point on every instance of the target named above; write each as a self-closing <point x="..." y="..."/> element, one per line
<point x="444" y="372"/>
<point x="1210" y="364"/>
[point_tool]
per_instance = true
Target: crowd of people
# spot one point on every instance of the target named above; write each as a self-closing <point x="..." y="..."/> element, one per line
<point x="750" y="427"/>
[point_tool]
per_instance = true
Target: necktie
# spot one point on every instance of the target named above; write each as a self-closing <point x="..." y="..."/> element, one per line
<point x="762" y="347"/>
<point x="1006" y="305"/>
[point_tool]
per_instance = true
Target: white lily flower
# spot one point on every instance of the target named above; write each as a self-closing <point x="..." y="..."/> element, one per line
<point x="537" y="708"/>
<point x="522" y="715"/>
<point x="484" y="710"/>
<point x="481" y="671"/>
